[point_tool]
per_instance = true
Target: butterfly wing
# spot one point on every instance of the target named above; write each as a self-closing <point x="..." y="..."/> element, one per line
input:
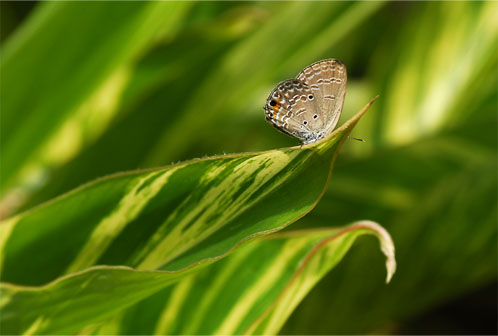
<point x="287" y="108"/>
<point x="327" y="81"/>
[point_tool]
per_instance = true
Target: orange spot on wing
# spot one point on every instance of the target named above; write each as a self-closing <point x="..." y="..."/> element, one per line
<point x="277" y="106"/>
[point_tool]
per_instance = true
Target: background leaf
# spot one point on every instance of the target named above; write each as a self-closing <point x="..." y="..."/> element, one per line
<point x="77" y="91"/>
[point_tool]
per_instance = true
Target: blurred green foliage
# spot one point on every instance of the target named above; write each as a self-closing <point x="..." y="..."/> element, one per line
<point x="89" y="89"/>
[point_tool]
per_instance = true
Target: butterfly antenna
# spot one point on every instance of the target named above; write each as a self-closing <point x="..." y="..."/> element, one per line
<point x="357" y="139"/>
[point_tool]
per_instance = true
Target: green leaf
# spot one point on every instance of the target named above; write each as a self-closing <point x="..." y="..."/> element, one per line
<point x="267" y="279"/>
<point x="440" y="78"/>
<point x="169" y="218"/>
<point x="64" y="72"/>
<point x="324" y="256"/>
<point x="192" y="72"/>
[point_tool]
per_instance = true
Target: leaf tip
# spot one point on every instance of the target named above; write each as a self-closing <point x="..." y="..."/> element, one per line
<point x="386" y="246"/>
<point x="372" y="101"/>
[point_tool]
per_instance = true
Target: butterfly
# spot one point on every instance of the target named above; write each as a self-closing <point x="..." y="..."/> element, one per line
<point x="308" y="107"/>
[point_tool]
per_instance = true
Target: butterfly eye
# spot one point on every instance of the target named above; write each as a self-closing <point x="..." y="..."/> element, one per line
<point x="273" y="103"/>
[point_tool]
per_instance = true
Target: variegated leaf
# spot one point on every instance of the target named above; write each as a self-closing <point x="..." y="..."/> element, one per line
<point x="253" y="291"/>
<point x="266" y="279"/>
<point x="166" y="219"/>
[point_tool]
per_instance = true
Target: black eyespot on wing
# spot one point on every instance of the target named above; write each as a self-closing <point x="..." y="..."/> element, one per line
<point x="315" y="116"/>
<point x="310" y="97"/>
<point x="273" y="103"/>
<point x="305" y="123"/>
